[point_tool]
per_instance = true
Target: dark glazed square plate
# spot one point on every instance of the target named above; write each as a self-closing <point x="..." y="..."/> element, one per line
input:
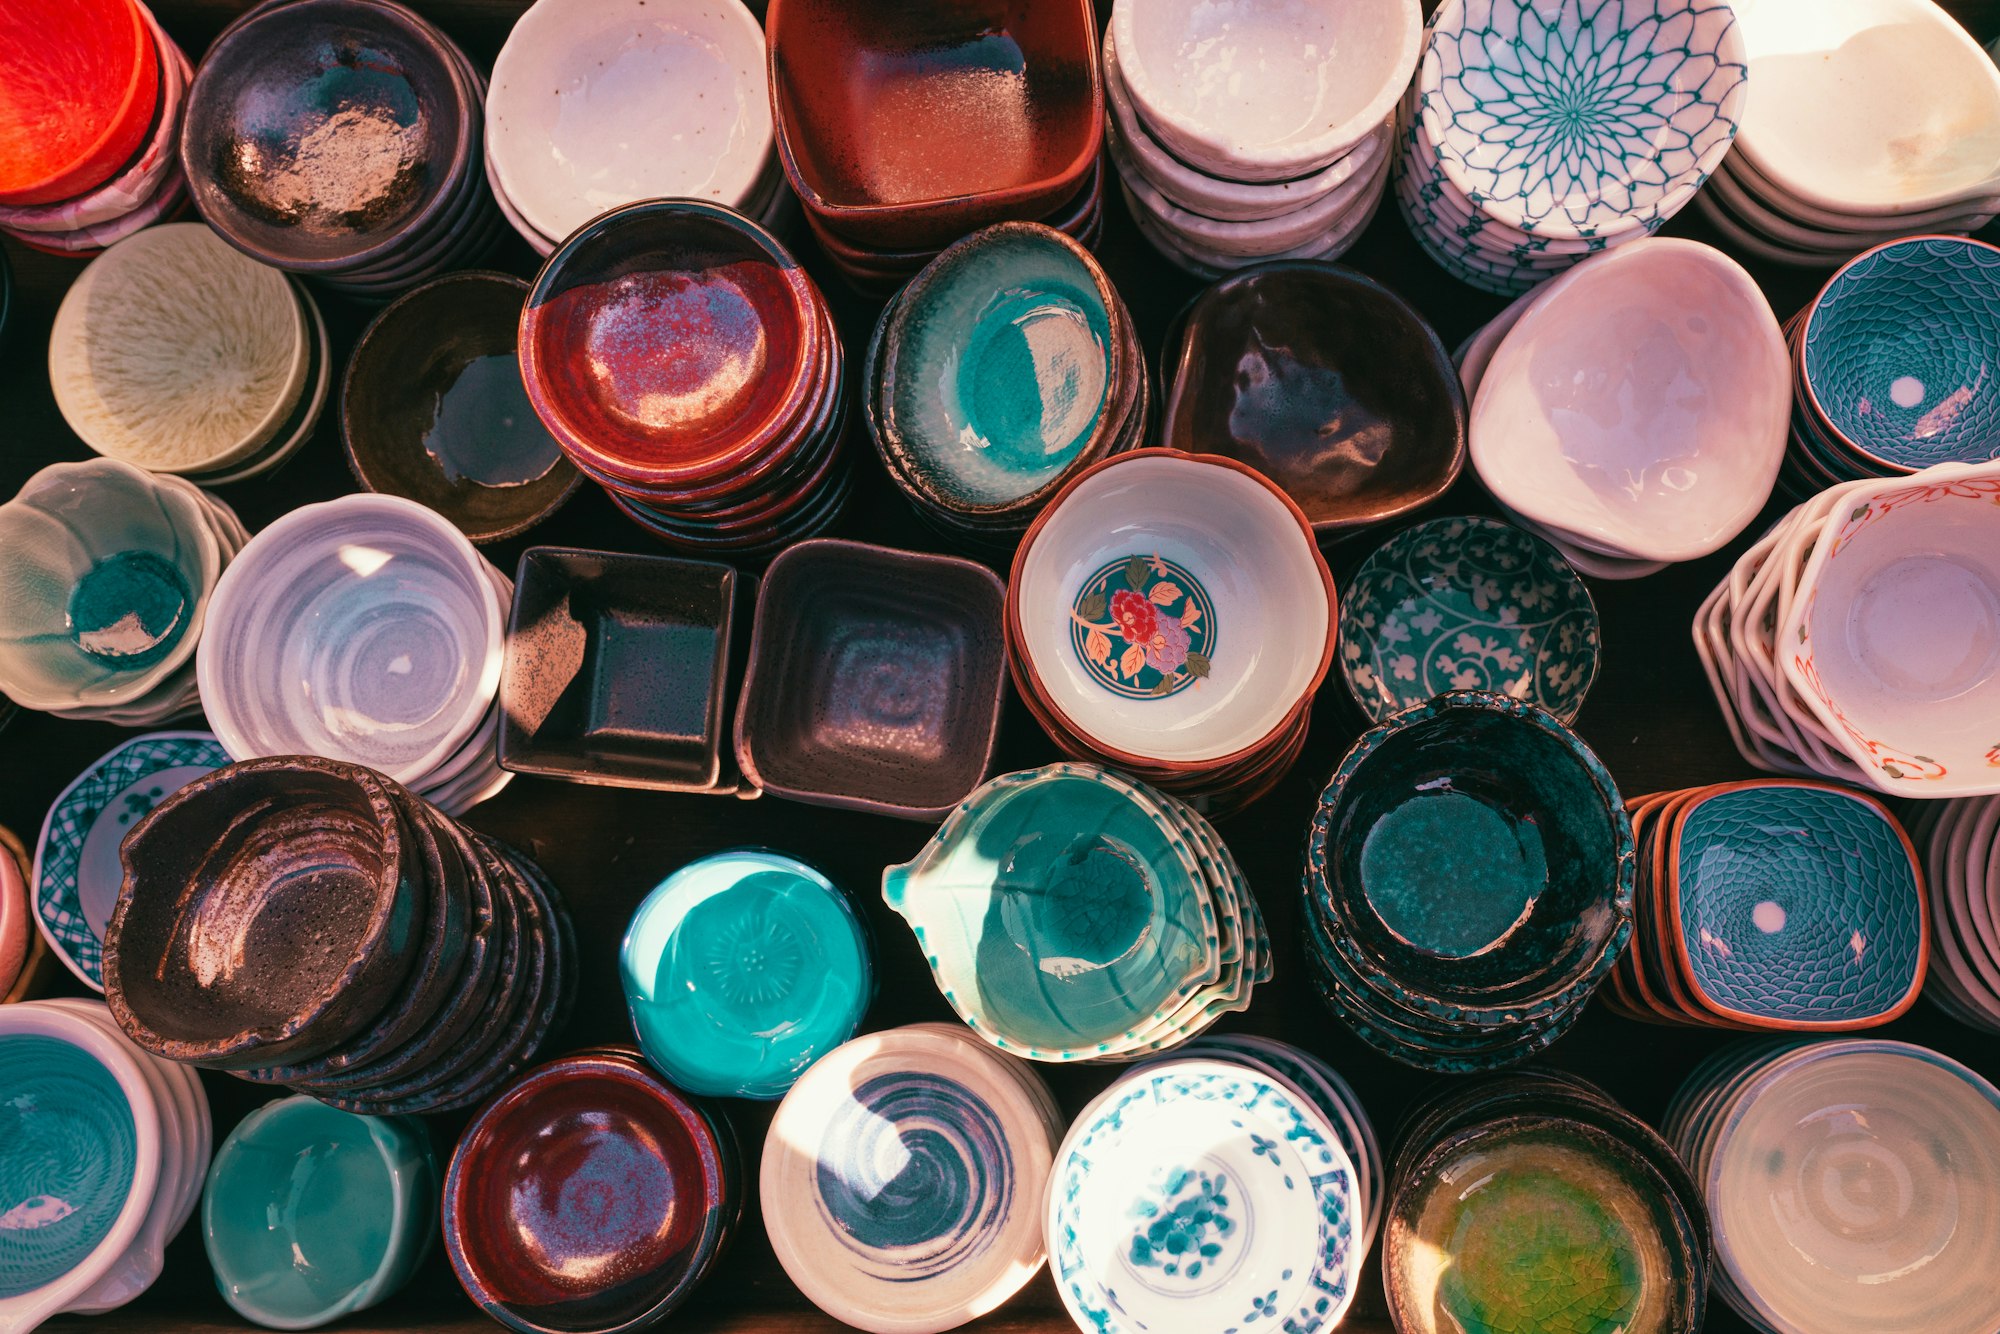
<point x="619" y="669"/>
<point x="875" y="679"/>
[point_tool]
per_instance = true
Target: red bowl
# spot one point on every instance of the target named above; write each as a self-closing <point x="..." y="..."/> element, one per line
<point x="79" y="80"/>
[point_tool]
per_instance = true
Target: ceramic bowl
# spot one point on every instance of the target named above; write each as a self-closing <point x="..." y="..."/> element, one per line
<point x="1467" y="604"/>
<point x="1850" y="97"/>
<point x="82" y="87"/>
<point x="1651" y="425"/>
<point x="1129" y="593"/>
<point x="1753" y="184"/>
<point x="1661" y="84"/>
<point x="742" y="969"/>
<point x="875" y="107"/>
<point x="875" y="679"/>
<point x="595" y="104"/>
<point x="620" y="669"/>
<point x="433" y="409"/>
<point x="366" y="628"/>
<point x="1473" y="854"/>
<point x="587" y="1197"/>
<point x="208" y="863"/>
<point x="114" y="571"/>
<point x="17" y="922"/>
<point x="1256" y="93"/>
<point x="1324" y="381"/>
<point x="1893" y="639"/>
<point x="1893" y="348"/>
<point x="312" y="1214"/>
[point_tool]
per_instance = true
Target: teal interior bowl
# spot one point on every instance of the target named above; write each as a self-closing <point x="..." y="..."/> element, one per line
<point x="742" y="969"/>
<point x="312" y="1214"/>
<point x="997" y="365"/>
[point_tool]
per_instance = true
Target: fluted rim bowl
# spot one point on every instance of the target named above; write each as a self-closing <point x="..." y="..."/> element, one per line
<point x="1382" y="863"/>
<point x="1251" y="633"/>
<point x="237" y="100"/>
<point x="1642" y="402"/>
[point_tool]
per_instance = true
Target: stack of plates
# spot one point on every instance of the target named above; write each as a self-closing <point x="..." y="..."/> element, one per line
<point x="106" y="1151"/>
<point x="366" y="629"/>
<point x="1205" y="1193"/>
<point x="93" y="102"/>
<point x="1852" y="138"/>
<point x="1892" y="365"/>
<point x="1535" y="1202"/>
<point x="173" y="352"/>
<point x="1259" y="135"/>
<point x="1961" y="842"/>
<point x="683" y="360"/>
<point x="1772" y="904"/>
<point x="1850" y="1185"/>
<point x="111" y="571"/>
<point x="439" y="960"/>
<point x="1119" y="925"/>
<point x="903" y="1179"/>
<point x="1536" y="135"/>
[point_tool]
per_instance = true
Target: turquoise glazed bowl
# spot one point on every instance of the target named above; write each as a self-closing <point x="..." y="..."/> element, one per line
<point x="742" y="969"/>
<point x="312" y="1214"/>
<point x="1467" y="604"/>
<point x="1899" y="352"/>
<point x="1472" y="859"/>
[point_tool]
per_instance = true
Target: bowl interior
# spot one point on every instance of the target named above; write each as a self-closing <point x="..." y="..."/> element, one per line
<point x="1327" y="384"/>
<point x="879" y="101"/>
<point x="78" y="76"/>
<point x="1173" y="609"/>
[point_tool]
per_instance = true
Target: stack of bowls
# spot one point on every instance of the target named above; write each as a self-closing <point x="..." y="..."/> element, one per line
<point x="94" y="96"/>
<point x="1854" y="640"/>
<point x="173" y="352"/>
<point x="589" y="1156"/>
<point x="1536" y="135"/>
<point x="438" y="960"/>
<point x="903" y="1179"/>
<point x="1205" y="1193"/>
<point x="1849" y="1183"/>
<point x="1892" y="365"/>
<point x="1006" y="367"/>
<point x="1772" y="904"/>
<point x="1535" y="1202"/>
<point x="1170" y="614"/>
<point x="684" y="361"/>
<point x="402" y="199"/>
<point x="1069" y="914"/>
<point x="1961" y="848"/>
<point x="365" y="629"/>
<point x="111" y="573"/>
<point x="900" y="136"/>
<point x="1468" y="883"/>
<point x="313" y="1213"/>
<point x="1633" y="411"/>
<point x="595" y="105"/>
<point x="1256" y="133"/>
<point x="106" y="1150"/>
<point x="1873" y="119"/>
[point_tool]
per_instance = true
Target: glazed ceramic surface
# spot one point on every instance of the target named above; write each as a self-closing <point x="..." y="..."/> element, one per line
<point x="72" y="1159"/>
<point x="82" y="87"/>
<point x="1467" y="604"/>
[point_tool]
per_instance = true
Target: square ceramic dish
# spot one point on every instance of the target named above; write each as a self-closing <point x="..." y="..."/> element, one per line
<point x="619" y="667"/>
<point x="875" y="679"/>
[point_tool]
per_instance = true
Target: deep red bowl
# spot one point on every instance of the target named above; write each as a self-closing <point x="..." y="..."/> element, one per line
<point x="79" y="81"/>
<point x="589" y="1196"/>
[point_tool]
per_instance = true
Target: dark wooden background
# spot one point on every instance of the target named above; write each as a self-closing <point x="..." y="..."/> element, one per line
<point x="1650" y="717"/>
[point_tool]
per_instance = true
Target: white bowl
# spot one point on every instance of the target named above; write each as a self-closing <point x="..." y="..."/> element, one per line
<point x="1265" y="90"/>
<point x="1869" y="107"/>
<point x="1642" y="402"/>
<point x="1754" y="212"/>
<point x="365" y="629"/>
<point x="1748" y="180"/>
<point x="1243" y="550"/>
<point x="1893" y="638"/>
<point x="1201" y="259"/>
<point x="596" y="103"/>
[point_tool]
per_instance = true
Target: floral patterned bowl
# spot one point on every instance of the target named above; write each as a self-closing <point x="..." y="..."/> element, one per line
<point x="1467" y="604"/>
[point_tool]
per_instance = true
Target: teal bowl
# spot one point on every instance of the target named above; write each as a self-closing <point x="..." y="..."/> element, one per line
<point x="312" y="1214"/>
<point x="742" y="969"/>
